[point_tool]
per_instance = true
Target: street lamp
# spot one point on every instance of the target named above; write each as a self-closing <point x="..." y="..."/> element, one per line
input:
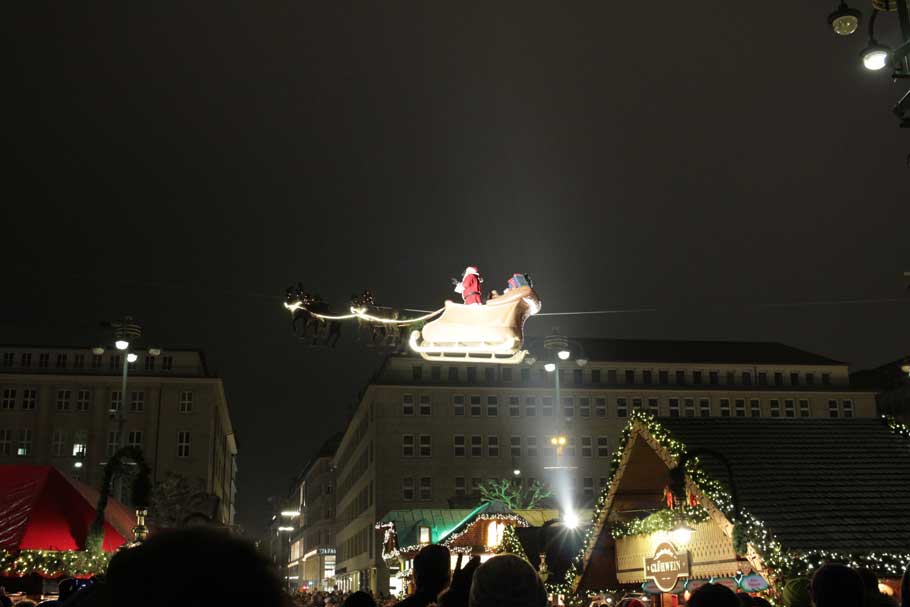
<point x="290" y="513"/>
<point x="845" y="20"/>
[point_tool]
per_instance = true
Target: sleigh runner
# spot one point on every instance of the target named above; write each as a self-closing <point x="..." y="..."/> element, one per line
<point x="490" y="333"/>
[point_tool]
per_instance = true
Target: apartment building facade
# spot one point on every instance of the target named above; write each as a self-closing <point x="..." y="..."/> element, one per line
<point x="426" y="435"/>
<point x="312" y="552"/>
<point x="63" y="407"/>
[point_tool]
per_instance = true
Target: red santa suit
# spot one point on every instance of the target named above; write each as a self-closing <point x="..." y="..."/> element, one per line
<point x="469" y="287"/>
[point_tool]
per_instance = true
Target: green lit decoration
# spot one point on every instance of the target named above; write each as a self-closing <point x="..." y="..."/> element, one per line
<point x="750" y="532"/>
<point x="53" y="563"/>
<point x="662" y="520"/>
<point x="510" y="543"/>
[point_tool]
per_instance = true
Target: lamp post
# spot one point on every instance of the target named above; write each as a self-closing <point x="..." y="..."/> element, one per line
<point x="876" y="56"/>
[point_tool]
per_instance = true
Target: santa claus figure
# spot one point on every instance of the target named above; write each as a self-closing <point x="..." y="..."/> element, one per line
<point x="469" y="287"/>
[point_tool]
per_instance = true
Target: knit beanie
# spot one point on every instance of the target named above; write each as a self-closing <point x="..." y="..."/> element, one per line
<point x="507" y="581"/>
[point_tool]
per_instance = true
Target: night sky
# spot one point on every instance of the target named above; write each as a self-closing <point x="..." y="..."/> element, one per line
<point x="185" y="162"/>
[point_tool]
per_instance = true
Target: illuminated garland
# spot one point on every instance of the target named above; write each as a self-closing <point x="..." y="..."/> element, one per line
<point x="510" y="543"/>
<point x="512" y="518"/>
<point x="53" y="563"/>
<point x="662" y="520"/>
<point x="750" y="531"/>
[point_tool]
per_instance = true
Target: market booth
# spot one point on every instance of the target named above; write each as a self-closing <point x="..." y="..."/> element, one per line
<point x="801" y="492"/>
<point x="44" y="521"/>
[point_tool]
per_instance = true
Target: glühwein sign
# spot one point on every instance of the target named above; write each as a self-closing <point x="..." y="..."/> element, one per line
<point x="666" y="566"/>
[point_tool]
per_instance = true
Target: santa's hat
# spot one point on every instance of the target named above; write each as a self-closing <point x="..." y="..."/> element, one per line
<point x="471" y="270"/>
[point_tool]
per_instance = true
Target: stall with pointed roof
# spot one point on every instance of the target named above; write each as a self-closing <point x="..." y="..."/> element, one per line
<point x="44" y="522"/>
<point x="807" y="491"/>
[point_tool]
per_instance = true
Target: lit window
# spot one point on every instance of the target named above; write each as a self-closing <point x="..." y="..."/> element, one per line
<point x="495" y="530"/>
<point x="116" y="400"/>
<point x="80" y="438"/>
<point x="25" y="442"/>
<point x="425" y="535"/>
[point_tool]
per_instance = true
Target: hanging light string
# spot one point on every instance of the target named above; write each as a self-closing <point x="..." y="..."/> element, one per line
<point x="362" y="314"/>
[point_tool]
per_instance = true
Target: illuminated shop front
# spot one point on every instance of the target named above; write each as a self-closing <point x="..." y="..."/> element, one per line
<point x="801" y="492"/>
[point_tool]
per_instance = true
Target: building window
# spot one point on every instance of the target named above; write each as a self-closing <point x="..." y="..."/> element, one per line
<point x="647" y="377"/>
<point x="747" y="378"/>
<point x="725" y="407"/>
<point x="514" y="406"/>
<point x="762" y="378"/>
<point x="435" y="373"/>
<point x="595" y="376"/>
<point x="778" y="378"/>
<point x="587" y="447"/>
<point x="407" y="488"/>
<point x="186" y="401"/>
<point x="472" y="375"/>
<point x="9" y="399"/>
<point x="577" y="377"/>
<point x="25" y="440"/>
<point x="80" y="442"/>
<point x="506" y="374"/>
<point x="832" y="408"/>
<point x="789" y="408"/>
<point x="416" y="372"/>
<point x="137" y="401"/>
<point x="61" y="361"/>
<point x="407" y="445"/>
<point x="530" y="407"/>
<point x="458" y="404"/>
<point x="803" y="408"/>
<point x="183" y="443"/>
<point x="489" y="374"/>
<point x="630" y="377"/>
<point x="492" y="446"/>
<point x="6" y="441"/>
<point x="680" y="378"/>
<point x="9" y="359"/>
<point x="636" y="404"/>
<point x="407" y="404"/>
<point x="149" y="362"/>
<point x="810" y="379"/>
<point x="113" y="439"/>
<point x="426" y="488"/>
<point x="755" y="407"/>
<point x="44" y="360"/>
<point x="696" y="378"/>
<point x="603" y="446"/>
<point x="25" y="360"/>
<point x="515" y="446"/>
<point x="826" y="379"/>
<point x="424" y="405"/>
<point x="134" y="438"/>
<point x="775" y="408"/>
<point x="611" y="377"/>
<point x="653" y="407"/>
<point x="546" y="408"/>
<point x="453" y="374"/>
<point x="569" y="449"/>
<point x="663" y="378"/>
<point x="673" y="405"/>
<point x="475" y="406"/>
<point x="79" y="361"/>
<point x="476" y="445"/>
<point x="426" y="445"/>
<point x="740" y="407"/>
<point x="460" y="489"/>
<point x="689" y="407"/>
<point x="713" y="378"/>
<point x="794" y="379"/>
<point x="622" y="409"/>
<point x="115" y="362"/>
<point x="57" y="442"/>
<point x="96" y="361"/>
<point x="584" y="407"/>
<point x="531" y="446"/>
<point x="83" y="400"/>
<point x="29" y="399"/>
<point x="63" y="400"/>
<point x="525" y="375"/>
<point x="568" y="406"/>
<point x="424" y="535"/>
<point x="492" y="406"/>
<point x="847" y="406"/>
<point x="704" y="407"/>
<point x="600" y="407"/>
<point x="116" y="400"/>
<point x="458" y="445"/>
<point x="167" y="363"/>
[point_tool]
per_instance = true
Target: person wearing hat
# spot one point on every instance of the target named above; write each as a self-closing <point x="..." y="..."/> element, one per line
<point x="469" y="287"/>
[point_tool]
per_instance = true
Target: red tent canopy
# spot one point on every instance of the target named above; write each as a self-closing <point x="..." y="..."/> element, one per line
<point x="42" y="509"/>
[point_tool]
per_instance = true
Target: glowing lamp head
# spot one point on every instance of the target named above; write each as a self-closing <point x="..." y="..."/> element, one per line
<point x="122" y="344"/>
<point x="97" y="350"/>
<point x="875" y="56"/>
<point x="561" y="440"/>
<point x="77" y="464"/>
<point x="530" y="360"/>
<point x="283" y="528"/>
<point x="516" y="472"/>
<point x="905" y="368"/>
<point x="554" y="441"/>
<point x="550" y="367"/>
<point x="563" y="354"/>
<point x="154" y="351"/>
<point x="845" y="20"/>
<point x="681" y="534"/>
<point x="290" y="513"/>
<point x="581" y="362"/>
<point x="570" y="519"/>
<point x="131" y="357"/>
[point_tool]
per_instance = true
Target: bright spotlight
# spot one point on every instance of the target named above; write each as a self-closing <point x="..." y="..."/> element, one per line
<point x="122" y="344"/>
<point x="570" y="519"/>
<point x="131" y="357"/>
<point x="290" y="513"/>
<point x="875" y="56"/>
<point x="562" y="440"/>
<point x="564" y="354"/>
<point x="550" y="367"/>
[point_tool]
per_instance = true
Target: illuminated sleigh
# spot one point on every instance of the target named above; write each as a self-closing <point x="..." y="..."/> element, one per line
<point x="491" y="333"/>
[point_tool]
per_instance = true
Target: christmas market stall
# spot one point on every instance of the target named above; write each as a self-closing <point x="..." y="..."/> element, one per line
<point x="44" y="525"/>
<point x="489" y="529"/>
<point x="748" y="503"/>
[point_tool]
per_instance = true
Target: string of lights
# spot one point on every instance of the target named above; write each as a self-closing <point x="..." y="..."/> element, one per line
<point x="53" y="563"/>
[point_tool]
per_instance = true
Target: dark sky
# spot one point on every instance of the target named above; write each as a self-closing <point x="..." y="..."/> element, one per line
<point x="186" y="161"/>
